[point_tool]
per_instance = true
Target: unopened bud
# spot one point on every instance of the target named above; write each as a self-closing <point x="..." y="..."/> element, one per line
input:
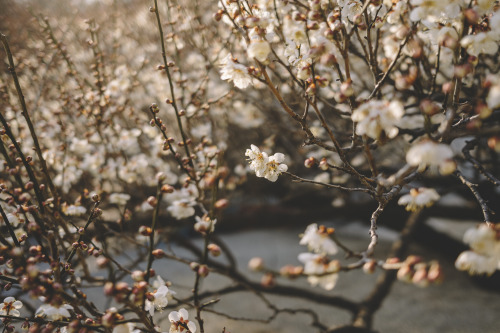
<point x="203" y="271"/>
<point x="167" y="188"/>
<point x="158" y="253"/>
<point x="194" y="266"/>
<point x="369" y="267"/>
<point x="152" y="201"/>
<point x="323" y="164"/>
<point x="256" y="264"/>
<point x="494" y="143"/>
<point x="145" y="231"/>
<point x="214" y="250"/>
<point x="267" y="280"/>
<point x="310" y="162"/>
<point x="221" y="204"/>
<point x="137" y="275"/>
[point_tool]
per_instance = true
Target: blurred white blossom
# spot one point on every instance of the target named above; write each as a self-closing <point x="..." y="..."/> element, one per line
<point x="419" y="198"/>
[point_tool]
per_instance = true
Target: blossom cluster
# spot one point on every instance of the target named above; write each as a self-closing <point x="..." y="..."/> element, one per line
<point x="381" y="95"/>
<point x="484" y="254"/>
<point x="269" y="167"/>
<point x="320" y="270"/>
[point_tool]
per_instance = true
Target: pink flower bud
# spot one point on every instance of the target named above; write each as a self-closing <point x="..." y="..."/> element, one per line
<point x="256" y="264"/>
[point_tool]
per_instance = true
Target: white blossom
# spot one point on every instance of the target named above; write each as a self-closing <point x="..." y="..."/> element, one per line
<point x="418" y="198"/>
<point x="318" y="240"/>
<point x="258" y="160"/>
<point x="179" y="322"/>
<point x="120" y="199"/>
<point x="275" y="166"/>
<point x="181" y="209"/>
<point x="259" y="49"/>
<point x="480" y="43"/>
<point x="73" y="210"/>
<point x="493" y="98"/>
<point x="429" y="153"/>
<point x="317" y="267"/>
<point x="236" y="72"/>
<point x="484" y="257"/>
<point x="482" y="240"/>
<point x="432" y="12"/>
<point x="125" y="328"/>
<point x="375" y="117"/>
<point x="476" y="263"/>
<point x="161" y="297"/>
<point x="14" y="219"/>
<point x="204" y="225"/>
<point x="54" y="312"/>
<point x="10" y="306"/>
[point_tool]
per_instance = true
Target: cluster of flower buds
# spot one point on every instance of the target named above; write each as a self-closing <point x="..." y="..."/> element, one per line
<point x="414" y="270"/>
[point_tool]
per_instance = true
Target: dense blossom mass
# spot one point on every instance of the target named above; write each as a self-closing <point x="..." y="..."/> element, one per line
<point x="123" y="127"/>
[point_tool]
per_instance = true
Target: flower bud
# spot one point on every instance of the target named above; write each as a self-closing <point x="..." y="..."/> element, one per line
<point x="109" y="288"/>
<point x="323" y="164"/>
<point x="420" y="276"/>
<point x="137" y="275"/>
<point x="167" y="188"/>
<point x="102" y="262"/>
<point x="145" y="231"/>
<point x="494" y="143"/>
<point x="152" y="201"/>
<point x="428" y="107"/>
<point x="194" y="266"/>
<point x="405" y="273"/>
<point x="310" y="162"/>
<point x="214" y="250"/>
<point x="435" y="273"/>
<point x="256" y="264"/>
<point x="158" y="253"/>
<point x="267" y="280"/>
<point x="221" y="204"/>
<point x="203" y="271"/>
<point x="369" y="267"/>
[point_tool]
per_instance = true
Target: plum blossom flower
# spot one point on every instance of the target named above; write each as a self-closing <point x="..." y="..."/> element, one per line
<point x="418" y="198"/>
<point x="181" y="209"/>
<point x="375" y="117"/>
<point x="275" y="166"/>
<point x="484" y="240"/>
<point x="125" y="328"/>
<point x="318" y="266"/>
<point x="429" y="153"/>
<point x="350" y="8"/>
<point x="120" y="199"/>
<point x="10" y="307"/>
<point x="480" y="43"/>
<point x="493" y="98"/>
<point x="73" y="210"/>
<point x="54" y="312"/>
<point x="179" y="322"/>
<point x="161" y="297"/>
<point x="485" y="255"/>
<point x="432" y="12"/>
<point x="258" y="160"/>
<point x="259" y="49"/>
<point x="476" y="263"/>
<point x="14" y="219"/>
<point x="269" y="167"/>
<point x="204" y="225"/>
<point x="236" y="72"/>
<point x="318" y="240"/>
